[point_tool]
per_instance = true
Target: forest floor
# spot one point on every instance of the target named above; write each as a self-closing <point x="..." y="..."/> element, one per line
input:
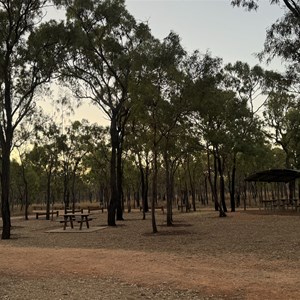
<point x="247" y="255"/>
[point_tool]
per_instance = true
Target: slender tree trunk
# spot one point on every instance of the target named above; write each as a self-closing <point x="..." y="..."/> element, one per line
<point x="111" y="216"/>
<point x="120" y="203"/>
<point x="218" y="207"/>
<point x="213" y="193"/>
<point x="26" y="199"/>
<point x="146" y="187"/>
<point x="216" y="184"/>
<point x="168" y="190"/>
<point x="5" y="183"/>
<point x="144" y="184"/>
<point x="192" y="185"/>
<point x="143" y="192"/>
<point x="206" y="191"/>
<point x="66" y="188"/>
<point x="49" y="175"/>
<point x="232" y="195"/>
<point x="73" y="191"/>
<point x="25" y="190"/>
<point x="222" y="184"/>
<point x="154" y="190"/>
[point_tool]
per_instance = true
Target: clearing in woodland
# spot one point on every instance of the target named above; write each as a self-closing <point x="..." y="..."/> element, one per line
<point x="247" y="255"/>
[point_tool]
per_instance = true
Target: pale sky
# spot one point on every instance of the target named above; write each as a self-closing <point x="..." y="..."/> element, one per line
<point x="205" y="25"/>
<point x="230" y="33"/>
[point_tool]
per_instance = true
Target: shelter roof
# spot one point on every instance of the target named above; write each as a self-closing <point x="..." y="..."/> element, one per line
<point x="274" y="175"/>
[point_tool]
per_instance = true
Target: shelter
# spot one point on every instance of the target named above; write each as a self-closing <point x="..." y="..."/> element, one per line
<point x="283" y="194"/>
<point x="275" y="175"/>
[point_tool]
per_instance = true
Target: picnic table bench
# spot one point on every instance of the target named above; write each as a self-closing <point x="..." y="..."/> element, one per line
<point x="161" y="207"/>
<point x="182" y="206"/>
<point x="44" y="213"/>
<point x="90" y="208"/>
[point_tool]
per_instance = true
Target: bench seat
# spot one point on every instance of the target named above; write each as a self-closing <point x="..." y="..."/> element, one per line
<point x="44" y="213"/>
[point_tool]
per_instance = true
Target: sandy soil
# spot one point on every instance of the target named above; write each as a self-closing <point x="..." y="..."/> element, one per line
<point x="248" y="255"/>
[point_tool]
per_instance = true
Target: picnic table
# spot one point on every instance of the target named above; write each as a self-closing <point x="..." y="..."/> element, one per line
<point x="269" y="203"/>
<point x="280" y="203"/>
<point x="69" y="219"/>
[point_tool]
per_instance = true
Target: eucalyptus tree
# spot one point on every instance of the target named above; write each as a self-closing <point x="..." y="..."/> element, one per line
<point x="106" y="39"/>
<point x="248" y="83"/>
<point x="173" y="127"/>
<point x="184" y="152"/>
<point x="293" y="121"/>
<point x="282" y="37"/>
<point x="174" y="145"/>
<point x="139" y="146"/>
<point x="279" y="106"/>
<point x="158" y="92"/>
<point x="131" y="174"/>
<point x="45" y="155"/>
<point x="28" y="56"/>
<point x="96" y="164"/>
<point x="208" y="104"/>
<point x="74" y="146"/>
<point x="16" y="192"/>
<point x="31" y="182"/>
<point x="292" y="5"/>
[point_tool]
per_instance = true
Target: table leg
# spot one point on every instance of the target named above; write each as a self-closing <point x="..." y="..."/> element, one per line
<point x="65" y="223"/>
<point x="80" y="227"/>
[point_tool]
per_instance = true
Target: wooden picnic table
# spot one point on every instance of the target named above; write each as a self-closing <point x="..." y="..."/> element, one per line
<point x="280" y="203"/>
<point x="69" y="218"/>
<point x="269" y="203"/>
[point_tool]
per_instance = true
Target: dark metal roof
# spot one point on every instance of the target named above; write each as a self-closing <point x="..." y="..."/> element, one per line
<point x="275" y="175"/>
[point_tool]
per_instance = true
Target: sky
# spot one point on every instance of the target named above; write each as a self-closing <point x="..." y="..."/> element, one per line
<point x="230" y="33"/>
<point x="206" y="25"/>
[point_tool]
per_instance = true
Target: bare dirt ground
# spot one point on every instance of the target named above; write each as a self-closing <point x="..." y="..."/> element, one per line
<point x="248" y="255"/>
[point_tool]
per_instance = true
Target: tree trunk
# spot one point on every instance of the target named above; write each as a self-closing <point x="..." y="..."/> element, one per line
<point x="222" y="184"/>
<point x="168" y="190"/>
<point x="216" y="184"/>
<point x="192" y="185"/>
<point x="144" y="184"/>
<point x="120" y="202"/>
<point x="154" y="190"/>
<point x="26" y="199"/>
<point x="232" y="195"/>
<point x="25" y="189"/>
<point x="66" y="187"/>
<point x="5" y="183"/>
<point x="111" y="215"/>
<point x="48" y="196"/>
<point x="218" y="206"/>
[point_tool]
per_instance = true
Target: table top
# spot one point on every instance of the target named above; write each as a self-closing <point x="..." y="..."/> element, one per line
<point x="73" y="215"/>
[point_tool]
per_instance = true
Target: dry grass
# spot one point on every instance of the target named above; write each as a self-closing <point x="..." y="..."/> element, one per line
<point x="248" y="255"/>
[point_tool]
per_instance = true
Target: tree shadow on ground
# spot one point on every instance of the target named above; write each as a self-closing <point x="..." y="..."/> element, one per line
<point x="168" y="233"/>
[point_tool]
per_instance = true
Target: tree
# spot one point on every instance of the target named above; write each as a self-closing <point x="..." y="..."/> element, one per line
<point x="158" y="94"/>
<point x="247" y="83"/>
<point x="96" y="163"/>
<point x="138" y="144"/>
<point x="282" y="37"/>
<point x="106" y="39"/>
<point x="208" y="104"/>
<point x="27" y="60"/>
<point x="45" y="155"/>
<point x="279" y="106"/>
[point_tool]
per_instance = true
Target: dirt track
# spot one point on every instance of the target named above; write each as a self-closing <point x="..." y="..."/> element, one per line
<point x="244" y="256"/>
